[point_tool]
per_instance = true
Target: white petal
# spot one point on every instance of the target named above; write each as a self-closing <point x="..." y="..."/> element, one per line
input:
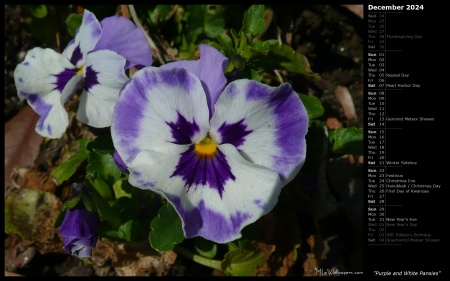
<point x="219" y="217"/>
<point x="47" y="80"/>
<point x="156" y="111"/>
<point x="105" y="76"/>
<point x="85" y="39"/>
<point x="267" y="124"/>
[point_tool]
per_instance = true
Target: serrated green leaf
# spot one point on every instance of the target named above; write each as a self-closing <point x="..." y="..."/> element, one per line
<point x="242" y="261"/>
<point x="346" y="141"/>
<point x="166" y="229"/>
<point x="39" y="11"/>
<point x="254" y="20"/>
<point x="73" y="22"/>
<point x="66" y="169"/>
<point x="293" y="61"/>
<point x="205" y="247"/>
<point x="313" y="106"/>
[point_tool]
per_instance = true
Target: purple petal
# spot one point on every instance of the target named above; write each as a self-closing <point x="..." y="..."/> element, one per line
<point x="80" y="223"/>
<point x="209" y="69"/>
<point x="119" y="162"/>
<point x="207" y="223"/>
<point x="122" y="36"/>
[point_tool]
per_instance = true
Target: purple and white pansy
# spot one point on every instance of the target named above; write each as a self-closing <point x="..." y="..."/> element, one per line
<point x="219" y="153"/>
<point x="100" y="53"/>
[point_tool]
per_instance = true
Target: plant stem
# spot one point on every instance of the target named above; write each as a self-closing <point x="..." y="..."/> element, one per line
<point x="216" y="264"/>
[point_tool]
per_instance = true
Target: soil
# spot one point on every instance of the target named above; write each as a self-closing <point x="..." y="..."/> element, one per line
<point x="330" y="37"/>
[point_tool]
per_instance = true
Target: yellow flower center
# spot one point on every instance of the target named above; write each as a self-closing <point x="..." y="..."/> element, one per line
<point x="80" y="71"/>
<point x="206" y="148"/>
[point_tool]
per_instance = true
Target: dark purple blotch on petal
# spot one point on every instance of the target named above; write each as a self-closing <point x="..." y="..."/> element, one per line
<point x="183" y="130"/>
<point x="213" y="172"/>
<point x="63" y="77"/>
<point x="91" y="78"/>
<point x="234" y="133"/>
<point x="76" y="55"/>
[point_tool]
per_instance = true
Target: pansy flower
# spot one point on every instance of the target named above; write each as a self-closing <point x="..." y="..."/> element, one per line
<point x="79" y="228"/>
<point x="219" y="153"/>
<point x="100" y="53"/>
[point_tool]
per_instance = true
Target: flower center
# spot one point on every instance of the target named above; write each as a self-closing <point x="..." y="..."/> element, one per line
<point x="80" y="71"/>
<point x="206" y="148"/>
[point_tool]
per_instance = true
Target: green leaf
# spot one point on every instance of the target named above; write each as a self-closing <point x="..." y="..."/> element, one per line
<point x="133" y="230"/>
<point x="205" y="247"/>
<point x="254" y="20"/>
<point x="89" y="203"/>
<point x="127" y="208"/>
<point x="102" y="144"/>
<point x="265" y="46"/>
<point x="242" y="261"/>
<point x="122" y="188"/>
<point x="105" y="211"/>
<point x="72" y="201"/>
<point x="166" y="229"/>
<point x="292" y="61"/>
<point x="346" y="141"/>
<point x="66" y="169"/>
<point x="205" y="19"/>
<point x="313" y="106"/>
<point x="226" y="42"/>
<point x="159" y="13"/>
<point x="101" y="160"/>
<point x="214" y="22"/>
<point x="102" y="187"/>
<point x="39" y="11"/>
<point x="73" y="22"/>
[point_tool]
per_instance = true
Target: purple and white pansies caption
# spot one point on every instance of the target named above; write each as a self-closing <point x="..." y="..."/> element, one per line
<point x="219" y="153"/>
<point x="100" y="53"/>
